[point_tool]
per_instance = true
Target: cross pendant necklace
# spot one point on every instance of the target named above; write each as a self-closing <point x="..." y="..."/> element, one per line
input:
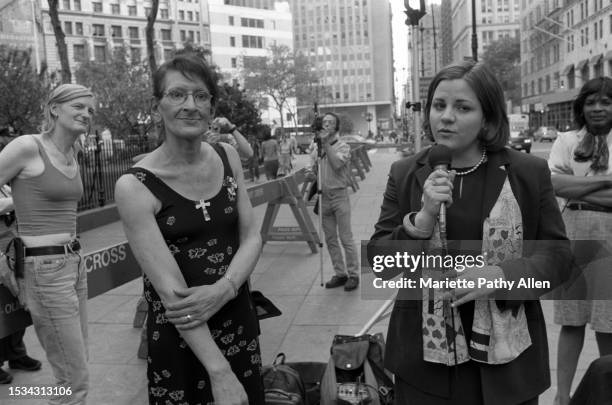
<point x="202" y="205"/>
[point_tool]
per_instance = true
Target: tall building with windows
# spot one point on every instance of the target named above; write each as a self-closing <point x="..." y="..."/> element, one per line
<point x="243" y="29"/>
<point x="563" y="45"/>
<point x="20" y="27"/>
<point x="494" y="19"/>
<point x="94" y="28"/>
<point x="349" y="43"/>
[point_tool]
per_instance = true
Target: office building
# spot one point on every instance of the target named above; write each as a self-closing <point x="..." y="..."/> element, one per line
<point x="348" y="42"/>
<point x="245" y="29"/>
<point x="563" y="45"/>
<point x="94" y="28"/>
<point x="20" y="27"/>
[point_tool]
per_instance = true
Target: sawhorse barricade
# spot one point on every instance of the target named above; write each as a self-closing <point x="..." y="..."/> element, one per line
<point x="285" y="191"/>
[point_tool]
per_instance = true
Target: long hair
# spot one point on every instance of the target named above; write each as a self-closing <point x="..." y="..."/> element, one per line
<point x="61" y="94"/>
<point x="490" y="95"/>
<point x="593" y="147"/>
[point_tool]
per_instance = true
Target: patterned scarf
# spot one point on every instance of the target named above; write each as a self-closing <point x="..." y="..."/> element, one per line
<point x="497" y="337"/>
<point x="594" y="148"/>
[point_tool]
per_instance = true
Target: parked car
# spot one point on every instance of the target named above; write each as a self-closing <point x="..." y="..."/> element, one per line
<point x="545" y="134"/>
<point x="519" y="141"/>
<point x="357" y="140"/>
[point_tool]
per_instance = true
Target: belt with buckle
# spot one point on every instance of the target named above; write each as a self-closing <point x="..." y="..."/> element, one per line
<point x="70" y="247"/>
<point x="577" y="206"/>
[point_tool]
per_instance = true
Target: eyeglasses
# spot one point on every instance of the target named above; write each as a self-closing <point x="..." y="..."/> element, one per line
<point x="179" y="96"/>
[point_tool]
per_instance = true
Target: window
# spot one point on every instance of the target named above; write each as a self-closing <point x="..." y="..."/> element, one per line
<point x="66" y="4"/>
<point x="133" y="32"/>
<point x="183" y="36"/>
<point x="78" y="51"/>
<point x="97" y="7"/>
<point x="135" y="54"/>
<point x="197" y="16"/>
<point x="252" y="22"/>
<point x="100" y="53"/>
<point x="147" y="11"/>
<point x="115" y="9"/>
<point x="234" y="63"/>
<point x="231" y="20"/>
<point x="68" y="28"/>
<point x="191" y="36"/>
<point x="132" y="10"/>
<point x="199" y="37"/>
<point x="98" y="30"/>
<point x="166" y="35"/>
<point x="232" y="41"/>
<point x="181" y="15"/>
<point x="252" y="41"/>
<point x="190" y="15"/>
<point x="116" y="31"/>
<point x="595" y="29"/>
<point x="164" y="13"/>
<point x="77" y="5"/>
<point x="78" y="27"/>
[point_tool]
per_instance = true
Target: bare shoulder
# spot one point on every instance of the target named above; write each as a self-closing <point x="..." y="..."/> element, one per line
<point x="24" y="146"/>
<point x="132" y="195"/>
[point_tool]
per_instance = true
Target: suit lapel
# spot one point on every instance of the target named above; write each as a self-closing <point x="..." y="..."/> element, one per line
<point x="495" y="177"/>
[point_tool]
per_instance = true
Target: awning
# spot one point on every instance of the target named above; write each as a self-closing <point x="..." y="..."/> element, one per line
<point x="567" y="69"/>
<point x="595" y="59"/>
<point x="608" y="55"/>
<point x="581" y="64"/>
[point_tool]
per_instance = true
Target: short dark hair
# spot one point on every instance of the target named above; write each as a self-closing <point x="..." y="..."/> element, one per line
<point x="490" y="96"/>
<point x="599" y="85"/>
<point x="191" y="66"/>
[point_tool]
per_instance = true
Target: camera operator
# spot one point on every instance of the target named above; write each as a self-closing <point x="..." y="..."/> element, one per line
<point x="335" y="206"/>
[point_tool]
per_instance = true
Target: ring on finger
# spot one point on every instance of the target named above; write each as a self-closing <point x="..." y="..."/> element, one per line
<point x="188" y="316"/>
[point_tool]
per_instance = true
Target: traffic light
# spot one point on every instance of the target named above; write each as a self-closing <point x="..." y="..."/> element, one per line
<point x="414" y="15"/>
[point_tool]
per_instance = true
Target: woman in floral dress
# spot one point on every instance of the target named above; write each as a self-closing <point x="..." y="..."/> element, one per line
<point x="189" y="221"/>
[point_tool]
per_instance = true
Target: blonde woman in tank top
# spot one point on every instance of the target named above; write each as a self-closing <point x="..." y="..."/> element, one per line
<point x="46" y="183"/>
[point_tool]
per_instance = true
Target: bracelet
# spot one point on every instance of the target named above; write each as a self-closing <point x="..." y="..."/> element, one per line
<point x="234" y="288"/>
<point x="411" y="228"/>
<point x="231" y="130"/>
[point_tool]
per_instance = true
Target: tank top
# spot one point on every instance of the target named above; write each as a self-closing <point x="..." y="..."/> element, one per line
<point x="47" y="203"/>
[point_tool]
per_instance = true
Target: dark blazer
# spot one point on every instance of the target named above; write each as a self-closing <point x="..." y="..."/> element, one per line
<point x="528" y="375"/>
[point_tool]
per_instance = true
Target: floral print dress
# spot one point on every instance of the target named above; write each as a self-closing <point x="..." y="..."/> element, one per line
<point x="203" y="238"/>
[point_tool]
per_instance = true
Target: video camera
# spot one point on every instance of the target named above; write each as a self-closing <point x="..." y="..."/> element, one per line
<point x="317" y="127"/>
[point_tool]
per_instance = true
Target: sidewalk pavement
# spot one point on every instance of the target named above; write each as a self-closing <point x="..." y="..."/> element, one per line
<point x="287" y="273"/>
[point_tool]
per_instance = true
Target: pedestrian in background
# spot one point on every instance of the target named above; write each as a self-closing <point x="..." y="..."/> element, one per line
<point x="222" y="130"/>
<point x="442" y="354"/>
<point x="46" y="185"/>
<point x="581" y="167"/>
<point x="270" y="153"/>
<point x="12" y="348"/>
<point x="286" y="151"/>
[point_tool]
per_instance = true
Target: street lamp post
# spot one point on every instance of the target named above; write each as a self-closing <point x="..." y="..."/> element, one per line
<point x="412" y="21"/>
<point x="474" y="35"/>
<point x="368" y="117"/>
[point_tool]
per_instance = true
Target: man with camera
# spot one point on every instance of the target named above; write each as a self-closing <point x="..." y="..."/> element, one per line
<point x="336" y="207"/>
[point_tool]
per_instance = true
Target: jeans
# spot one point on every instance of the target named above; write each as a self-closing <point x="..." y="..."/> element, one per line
<point x="337" y="221"/>
<point x="56" y="296"/>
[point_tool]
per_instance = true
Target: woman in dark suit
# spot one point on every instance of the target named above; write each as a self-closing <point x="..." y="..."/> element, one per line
<point x="448" y="352"/>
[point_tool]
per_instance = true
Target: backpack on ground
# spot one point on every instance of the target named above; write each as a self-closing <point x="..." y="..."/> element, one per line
<point x="283" y="384"/>
<point x="355" y="372"/>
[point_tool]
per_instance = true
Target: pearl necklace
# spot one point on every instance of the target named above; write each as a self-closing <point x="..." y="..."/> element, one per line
<point x="473" y="169"/>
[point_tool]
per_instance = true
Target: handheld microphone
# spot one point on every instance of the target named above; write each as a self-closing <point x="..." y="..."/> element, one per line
<point x="440" y="157"/>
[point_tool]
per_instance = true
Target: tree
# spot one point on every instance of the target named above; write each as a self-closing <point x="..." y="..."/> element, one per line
<point x="22" y="110"/>
<point x="150" y="35"/>
<point x="62" y="50"/>
<point x="278" y="76"/>
<point x="235" y="105"/>
<point x="503" y="57"/>
<point x="122" y="89"/>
